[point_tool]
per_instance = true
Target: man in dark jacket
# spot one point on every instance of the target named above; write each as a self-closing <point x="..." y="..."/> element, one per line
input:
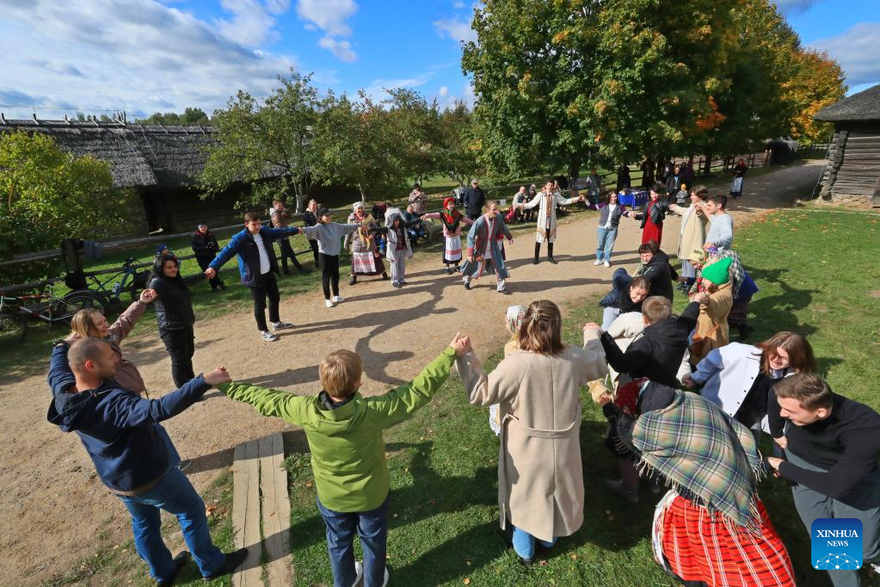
<point x="205" y="246"/>
<point x="281" y="219"/>
<point x="673" y="183"/>
<point x="133" y="455"/>
<point x="474" y="200"/>
<point x="657" y="270"/>
<point x="657" y="352"/>
<point x="258" y="265"/>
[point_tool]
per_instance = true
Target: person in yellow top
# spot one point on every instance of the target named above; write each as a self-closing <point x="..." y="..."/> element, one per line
<point x="344" y="430"/>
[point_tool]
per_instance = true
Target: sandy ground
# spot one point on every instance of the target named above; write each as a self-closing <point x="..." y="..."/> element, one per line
<point x="53" y="507"/>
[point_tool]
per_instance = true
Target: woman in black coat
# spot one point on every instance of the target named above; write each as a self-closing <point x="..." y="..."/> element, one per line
<point x="174" y="313"/>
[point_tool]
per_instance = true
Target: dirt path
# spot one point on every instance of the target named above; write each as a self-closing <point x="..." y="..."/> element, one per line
<point x="52" y="506"/>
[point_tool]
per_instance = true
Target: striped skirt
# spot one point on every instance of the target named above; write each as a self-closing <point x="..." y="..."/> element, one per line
<point x="697" y="546"/>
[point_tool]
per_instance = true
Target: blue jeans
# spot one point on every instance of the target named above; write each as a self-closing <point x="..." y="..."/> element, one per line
<point x="372" y="527"/>
<point x="524" y="543"/>
<point x="176" y="495"/>
<point x="605" y="243"/>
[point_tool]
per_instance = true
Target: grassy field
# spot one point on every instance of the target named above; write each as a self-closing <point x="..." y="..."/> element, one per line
<point x="815" y="277"/>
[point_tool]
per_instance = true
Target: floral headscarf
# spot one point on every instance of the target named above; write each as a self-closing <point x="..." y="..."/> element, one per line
<point x="514" y="318"/>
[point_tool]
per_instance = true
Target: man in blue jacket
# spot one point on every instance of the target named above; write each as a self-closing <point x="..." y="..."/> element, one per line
<point x="258" y="265"/>
<point x="134" y="456"/>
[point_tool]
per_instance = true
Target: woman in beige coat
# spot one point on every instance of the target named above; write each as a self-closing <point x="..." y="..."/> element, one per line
<point x="540" y="497"/>
<point x="693" y="230"/>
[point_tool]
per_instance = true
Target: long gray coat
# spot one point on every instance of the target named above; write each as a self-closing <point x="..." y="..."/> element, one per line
<point x="540" y="478"/>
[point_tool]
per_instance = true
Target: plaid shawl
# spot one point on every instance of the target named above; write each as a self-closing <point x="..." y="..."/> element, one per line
<point x="704" y="453"/>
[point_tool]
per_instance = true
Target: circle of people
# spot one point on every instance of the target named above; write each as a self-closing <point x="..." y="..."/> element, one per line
<point x="686" y="407"/>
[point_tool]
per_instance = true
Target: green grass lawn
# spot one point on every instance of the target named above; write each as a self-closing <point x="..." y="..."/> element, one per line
<point x="817" y="277"/>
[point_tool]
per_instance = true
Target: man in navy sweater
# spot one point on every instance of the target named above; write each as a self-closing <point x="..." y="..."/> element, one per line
<point x="257" y="265"/>
<point x="134" y="456"/>
<point x="831" y="446"/>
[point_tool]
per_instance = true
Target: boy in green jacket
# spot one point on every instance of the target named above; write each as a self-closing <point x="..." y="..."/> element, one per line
<point x="344" y="430"/>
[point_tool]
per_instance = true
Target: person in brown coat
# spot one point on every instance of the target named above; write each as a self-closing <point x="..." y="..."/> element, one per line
<point x="541" y="498"/>
<point x="715" y="296"/>
<point x="89" y="322"/>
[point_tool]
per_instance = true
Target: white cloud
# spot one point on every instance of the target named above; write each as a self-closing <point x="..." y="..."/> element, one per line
<point x="378" y="87"/>
<point x="137" y="55"/>
<point x="789" y="7"/>
<point x="443" y="92"/>
<point x="252" y="22"/>
<point x="342" y="49"/>
<point x="328" y="15"/>
<point x="455" y="29"/>
<point x="856" y="52"/>
<point x="458" y="4"/>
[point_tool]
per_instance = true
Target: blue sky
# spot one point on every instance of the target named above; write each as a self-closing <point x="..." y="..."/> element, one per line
<point x="147" y="55"/>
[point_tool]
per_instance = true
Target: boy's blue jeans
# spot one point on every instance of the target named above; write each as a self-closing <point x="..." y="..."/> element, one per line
<point x="176" y="495"/>
<point x="524" y="543"/>
<point x="372" y="527"/>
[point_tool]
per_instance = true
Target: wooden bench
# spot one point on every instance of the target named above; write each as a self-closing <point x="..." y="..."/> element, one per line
<point x="258" y="471"/>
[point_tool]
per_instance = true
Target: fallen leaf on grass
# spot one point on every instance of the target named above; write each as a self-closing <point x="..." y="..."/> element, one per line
<point x="466" y="581"/>
<point x="210" y="509"/>
<point x="542" y="563"/>
<point x="574" y="556"/>
<point x="309" y="484"/>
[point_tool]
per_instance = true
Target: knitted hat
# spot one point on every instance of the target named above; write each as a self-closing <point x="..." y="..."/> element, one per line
<point x="718" y="272"/>
<point x="323" y="211"/>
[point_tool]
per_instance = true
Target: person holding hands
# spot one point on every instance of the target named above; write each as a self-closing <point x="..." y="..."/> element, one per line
<point x="344" y="430"/>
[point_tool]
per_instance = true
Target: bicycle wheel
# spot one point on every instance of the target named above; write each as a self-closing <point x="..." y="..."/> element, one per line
<point x="76" y="301"/>
<point x="13" y="328"/>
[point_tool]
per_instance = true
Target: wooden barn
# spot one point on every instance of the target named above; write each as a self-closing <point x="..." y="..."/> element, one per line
<point x="852" y="171"/>
<point x="160" y="163"/>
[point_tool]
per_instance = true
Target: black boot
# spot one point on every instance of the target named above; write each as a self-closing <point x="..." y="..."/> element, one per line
<point x="550" y="253"/>
<point x="353" y="280"/>
<point x="537" y="253"/>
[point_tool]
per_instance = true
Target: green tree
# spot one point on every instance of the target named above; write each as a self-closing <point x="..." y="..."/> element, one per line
<point x="190" y="117"/>
<point x="49" y="195"/>
<point x="268" y="145"/>
<point x="362" y="145"/>
<point x="455" y="148"/>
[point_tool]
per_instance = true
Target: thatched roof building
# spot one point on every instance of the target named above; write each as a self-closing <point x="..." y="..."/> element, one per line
<point x="162" y="164"/>
<point x="852" y="171"/>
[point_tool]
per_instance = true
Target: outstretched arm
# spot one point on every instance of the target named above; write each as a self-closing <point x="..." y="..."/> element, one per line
<point x="269" y="402"/>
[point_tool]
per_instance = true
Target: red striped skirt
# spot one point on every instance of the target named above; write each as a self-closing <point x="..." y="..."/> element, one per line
<point x="698" y="546"/>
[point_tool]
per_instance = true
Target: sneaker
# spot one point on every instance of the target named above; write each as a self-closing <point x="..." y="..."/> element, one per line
<point x="328" y="303"/>
<point x="598" y="262"/>
<point x="449" y="271"/>
<point x="552" y="260"/>
<point x="269" y="337"/>
<point x="281" y="325"/>
<point x="402" y="282"/>
<point x="338" y="299"/>
<point x="183" y="465"/>
<point x="232" y="562"/>
<point x="359" y="571"/>
<point x="607" y="263"/>
<point x="617" y="487"/>
<point x="467" y="283"/>
<point x="395" y="284"/>
<point x="179" y="561"/>
<point x="385" y="580"/>
<point x="353" y="280"/>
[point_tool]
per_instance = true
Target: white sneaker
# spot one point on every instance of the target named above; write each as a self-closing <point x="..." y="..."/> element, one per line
<point x="328" y="303"/>
<point x="608" y="263"/>
<point x="281" y="325"/>
<point x="269" y="337"/>
<point x="385" y="580"/>
<point x="598" y="262"/>
<point x="337" y="299"/>
<point x="359" y="570"/>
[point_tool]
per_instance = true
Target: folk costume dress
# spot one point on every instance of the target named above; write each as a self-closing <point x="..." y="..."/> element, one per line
<point x="451" y="222"/>
<point x="547" y="214"/>
<point x="712" y="464"/>
<point x="364" y="257"/>
<point x="483" y="245"/>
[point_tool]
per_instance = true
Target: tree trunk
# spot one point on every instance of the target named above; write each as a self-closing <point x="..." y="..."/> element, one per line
<point x="707" y="165"/>
<point x="574" y="169"/>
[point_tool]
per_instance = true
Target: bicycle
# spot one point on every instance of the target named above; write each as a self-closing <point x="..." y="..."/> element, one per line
<point x="128" y="279"/>
<point x="16" y="312"/>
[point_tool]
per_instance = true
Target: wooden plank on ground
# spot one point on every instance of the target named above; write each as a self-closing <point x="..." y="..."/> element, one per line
<point x="246" y="513"/>
<point x="276" y="510"/>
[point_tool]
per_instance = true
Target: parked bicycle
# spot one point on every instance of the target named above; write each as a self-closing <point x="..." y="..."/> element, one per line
<point x="126" y="280"/>
<point x="17" y="312"/>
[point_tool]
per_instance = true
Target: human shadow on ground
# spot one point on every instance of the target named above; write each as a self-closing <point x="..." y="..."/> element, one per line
<point x="777" y="312"/>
